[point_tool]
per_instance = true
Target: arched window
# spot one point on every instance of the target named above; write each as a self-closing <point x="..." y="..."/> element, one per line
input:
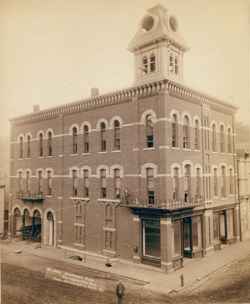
<point x="117" y="183"/>
<point x="75" y="182"/>
<point x="229" y="141"/>
<point x="27" y="186"/>
<point x="214" y="137"/>
<point x="145" y="65"/>
<point x="198" y="183"/>
<point x="215" y="182"/>
<point x="187" y="183"/>
<point x="28" y="146"/>
<point x="152" y="63"/>
<point x="103" y="176"/>
<point x="40" y="144"/>
<point x="74" y="134"/>
<point x="86" y="182"/>
<point x="176" y="184"/>
<point x="85" y="139"/>
<point x="231" y="181"/>
<point x="186" y="138"/>
<point x="103" y="137"/>
<point x="222" y="139"/>
<point x="176" y="66"/>
<point x="223" y="181"/>
<point x="171" y="63"/>
<point x="49" y="182"/>
<point x="50" y="151"/>
<point x="40" y="181"/>
<point x="149" y="131"/>
<point x="196" y="135"/>
<point x="174" y="131"/>
<point x="150" y="185"/>
<point x="117" y="138"/>
<point x="21" y="147"/>
<point x="20" y="182"/>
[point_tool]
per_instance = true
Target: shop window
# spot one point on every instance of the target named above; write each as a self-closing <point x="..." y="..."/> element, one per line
<point x="177" y="238"/>
<point x="151" y="238"/>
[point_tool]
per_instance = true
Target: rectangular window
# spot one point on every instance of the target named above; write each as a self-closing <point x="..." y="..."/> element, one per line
<point x="108" y="240"/>
<point x="117" y="181"/>
<point x="75" y="182"/>
<point x="49" y="183"/>
<point x="150" y="185"/>
<point x="40" y="182"/>
<point x="103" y="183"/>
<point x="151" y="238"/>
<point x="79" y="223"/>
<point x="86" y="183"/>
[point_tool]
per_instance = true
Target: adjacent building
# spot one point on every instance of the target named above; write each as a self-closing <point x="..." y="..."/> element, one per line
<point x="145" y="174"/>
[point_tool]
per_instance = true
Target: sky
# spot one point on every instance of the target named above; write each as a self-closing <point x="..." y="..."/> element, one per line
<point x="54" y="51"/>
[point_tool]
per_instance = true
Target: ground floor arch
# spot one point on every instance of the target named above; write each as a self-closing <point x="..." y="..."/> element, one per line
<point x="50" y="228"/>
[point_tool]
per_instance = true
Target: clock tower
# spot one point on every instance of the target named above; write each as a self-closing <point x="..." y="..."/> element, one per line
<point x="158" y="47"/>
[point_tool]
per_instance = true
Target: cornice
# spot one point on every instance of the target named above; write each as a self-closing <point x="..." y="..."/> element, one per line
<point x="125" y="95"/>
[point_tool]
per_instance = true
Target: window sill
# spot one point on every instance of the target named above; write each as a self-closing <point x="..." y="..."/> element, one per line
<point x="149" y="149"/>
<point x="116" y="151"/>
<point x="103" y="152"/>
<point x="79" y="198"/>
<point x="109" y="200"/>
<point x="86" y="154"/>
<point x="74" y="154"/>
<point x="175" y="148"/>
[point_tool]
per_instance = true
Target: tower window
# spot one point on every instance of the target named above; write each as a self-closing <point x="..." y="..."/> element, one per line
<point x="145" y="65"/>
<point x="176" y="66"/>
<point x="152" y="63"/>
<point x="149" y="131"/>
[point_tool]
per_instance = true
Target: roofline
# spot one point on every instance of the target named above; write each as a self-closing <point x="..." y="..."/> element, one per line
<point x="116" y="97"/>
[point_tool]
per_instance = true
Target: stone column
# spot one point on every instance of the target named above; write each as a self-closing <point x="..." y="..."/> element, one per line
<point x="166" y="244"/>
<point x="137" y="239"/>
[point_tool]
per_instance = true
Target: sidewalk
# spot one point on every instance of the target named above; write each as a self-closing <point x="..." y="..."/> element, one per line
<point x="194" y="271"/>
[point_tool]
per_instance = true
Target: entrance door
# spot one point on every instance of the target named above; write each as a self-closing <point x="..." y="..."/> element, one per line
<point x="151" y="239"/>
<point x="187" y="237"/>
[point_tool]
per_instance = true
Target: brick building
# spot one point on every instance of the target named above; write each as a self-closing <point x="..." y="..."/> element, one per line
<point x="146" y="173"/>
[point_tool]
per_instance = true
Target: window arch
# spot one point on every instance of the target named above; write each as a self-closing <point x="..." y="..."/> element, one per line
<point x="103" y="135"/>
<point x="145" y="65"/>
<point x="75" y="139"/>
<point x="117" y="135"/>
<point x="49" y="143"/>
<point x="149" y="131"/>
<point x="222" y="138"/>
<point x="85" y="139"/>
<point x="186" y="132"/>
<point x="40" y="144"/>
<point x="223" y="181"/>
<point x="21" y="154"/>
<point x="176" y="183"/>
<point x="174" y="130"/>
<point x="152" y="63"/>
<point x="229" y="140"/>
<point x="187" y="183"/>
<point x="196" y="135"/>
<point x="28" y="146"/>
<point x="214" y="137"/>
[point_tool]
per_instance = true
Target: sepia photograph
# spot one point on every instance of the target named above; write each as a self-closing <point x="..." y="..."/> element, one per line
<point x="124" y="151"/>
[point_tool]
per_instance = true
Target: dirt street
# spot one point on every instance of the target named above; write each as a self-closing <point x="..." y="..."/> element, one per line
<point x="22" y="285"/>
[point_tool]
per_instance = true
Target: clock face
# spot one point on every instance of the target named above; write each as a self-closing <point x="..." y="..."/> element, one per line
<point x="147" y="23"/>
<point x="173" y="23"/>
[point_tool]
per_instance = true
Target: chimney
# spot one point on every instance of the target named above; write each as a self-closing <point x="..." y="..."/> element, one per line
<point x="94" y="92"/>
<point x="36" y="108"/>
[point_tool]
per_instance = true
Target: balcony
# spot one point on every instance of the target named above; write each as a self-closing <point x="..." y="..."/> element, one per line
<point x="30" y="197"/>
<point x="169" y="205"/>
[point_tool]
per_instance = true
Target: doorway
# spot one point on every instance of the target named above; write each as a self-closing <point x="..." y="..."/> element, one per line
<point x="151" y="239"/>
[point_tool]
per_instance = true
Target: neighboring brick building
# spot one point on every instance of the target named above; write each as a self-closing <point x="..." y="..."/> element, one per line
<point x="146" y="173"/>
<point x="243" y="169"/>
